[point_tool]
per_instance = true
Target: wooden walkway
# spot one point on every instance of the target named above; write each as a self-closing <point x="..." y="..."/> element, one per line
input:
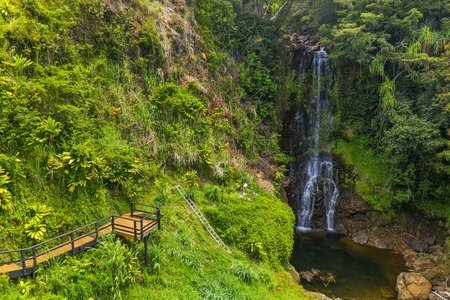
<point x="136" y="225"/>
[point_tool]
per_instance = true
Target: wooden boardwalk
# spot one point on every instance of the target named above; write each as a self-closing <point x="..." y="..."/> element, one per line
<point x="136" y="225"/>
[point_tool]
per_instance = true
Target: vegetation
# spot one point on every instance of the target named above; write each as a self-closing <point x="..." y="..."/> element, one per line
<point x="389" y="62"/>
<point x="107" y="102"/>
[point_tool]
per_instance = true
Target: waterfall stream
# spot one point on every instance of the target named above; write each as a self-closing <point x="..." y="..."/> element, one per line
<point x="319" y="174"/>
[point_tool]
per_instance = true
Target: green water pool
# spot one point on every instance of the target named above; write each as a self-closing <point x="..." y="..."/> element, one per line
<point x="345" y="269"/>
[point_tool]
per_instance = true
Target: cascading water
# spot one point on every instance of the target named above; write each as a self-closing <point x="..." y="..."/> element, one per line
<point x="320" y="178"/>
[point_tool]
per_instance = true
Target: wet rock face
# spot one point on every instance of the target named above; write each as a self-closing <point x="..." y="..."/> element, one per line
<point x="302" y="50"/>
<point x="404" y="233"/>
<point x="360" y="221"/>
<point x="425" y="245"/>
<point x="412" y="286"/>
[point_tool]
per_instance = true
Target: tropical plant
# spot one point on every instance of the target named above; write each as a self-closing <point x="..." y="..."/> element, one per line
<point x="46" y="131"/>
<point x="213" y="192"/>
<point x="119" y="263"/>
<point x="25" y="287"/>
<point x="35" y="228"/>
<point x="82" y="166"/>
<point x="191" y="179"/>
<point x="39" y="211"/>
<point x="5" y="195"/>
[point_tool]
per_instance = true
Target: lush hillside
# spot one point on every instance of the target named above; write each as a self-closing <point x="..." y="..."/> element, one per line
<point x="107" y="102"/>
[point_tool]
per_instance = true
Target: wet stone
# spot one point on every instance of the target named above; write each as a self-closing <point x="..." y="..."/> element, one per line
<point x="387" y="293"/>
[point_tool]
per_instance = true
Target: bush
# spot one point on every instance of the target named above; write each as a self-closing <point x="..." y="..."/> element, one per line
<point x="213" y="192"/>
<point x="261" y="225"/>
<point x="118" y="263"/>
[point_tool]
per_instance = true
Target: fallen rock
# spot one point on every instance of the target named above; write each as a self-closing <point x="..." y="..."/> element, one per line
<point x="311" y="275"/>
<point x="412" y="286"/>
<point x="429" y="241"/>
<point x="380" y="244"/>
<point x="361" y="237"/>
<point x="432" y="297"/>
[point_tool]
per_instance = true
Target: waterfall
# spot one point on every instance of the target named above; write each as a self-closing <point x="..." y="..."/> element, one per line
<point x="319" y="174"/>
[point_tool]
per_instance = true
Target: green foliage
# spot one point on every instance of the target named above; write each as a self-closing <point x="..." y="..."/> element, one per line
<point x="118" y="263"/>
<point x="35" y="228"/>
<point x="5" y="195"/>
<point x="212" y="289"/>
<point x="217" y="20"/>
<point x="191" y="179"/>
<point x="369" y="176"/>
<point x="254" y="79"/>
<point x="213" y="192"/>
<point x="150" y="44"/>
<point x="412" y="144"/>
<point x="25" y="287"/>
<point x="39" y="211"/>
<point x="46" y="131"/>
<point x="259" y="234"/>
<point x="81" y="165"/>
<point x="244" y="272"/>
<point x="387" y="94"/>
<point x="178" y="103"/>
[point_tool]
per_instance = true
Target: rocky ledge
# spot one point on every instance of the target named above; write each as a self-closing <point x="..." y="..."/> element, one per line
<point x="422" y="246"/>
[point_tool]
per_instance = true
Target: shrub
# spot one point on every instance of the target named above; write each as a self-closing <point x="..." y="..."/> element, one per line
<point x="177" y="102"/>
<point x="213" y="192"/>
<point x="118" y="263"/>
<point x="261" y="225"/>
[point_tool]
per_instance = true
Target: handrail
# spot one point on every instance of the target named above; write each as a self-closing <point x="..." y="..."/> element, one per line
<point x="156" y="212"/>
<point x="54" y="238"/>
<point x="134" y="204"/>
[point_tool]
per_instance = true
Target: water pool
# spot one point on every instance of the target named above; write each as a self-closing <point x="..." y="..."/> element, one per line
<point x="347" y="270"/>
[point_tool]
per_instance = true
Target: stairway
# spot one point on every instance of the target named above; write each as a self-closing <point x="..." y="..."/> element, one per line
<point x="202" y="218"/>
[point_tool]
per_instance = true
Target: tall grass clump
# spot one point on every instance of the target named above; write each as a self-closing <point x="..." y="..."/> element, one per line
<point x="119" y="265"/>
<point x="244" y="272"/>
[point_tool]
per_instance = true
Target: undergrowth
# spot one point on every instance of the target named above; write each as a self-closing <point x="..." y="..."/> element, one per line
<point x="184" y="262"/>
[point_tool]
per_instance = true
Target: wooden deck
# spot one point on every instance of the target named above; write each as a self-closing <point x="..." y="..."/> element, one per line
<point x="135" y="225"/>
<point x="126" y="224"/>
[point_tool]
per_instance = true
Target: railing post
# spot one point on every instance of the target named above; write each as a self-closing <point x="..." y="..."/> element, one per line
<point x="142" y="230"/>
<point x="22" y="256"/>
<point x="112" y="222"/>
<point x="135" y="231"/>
<point x="33" y="251"/>
<point x="72" y="243"/>
<point x="131" y="208"/>
<point x="158" y="217"/>
<point x="96" y="232"/>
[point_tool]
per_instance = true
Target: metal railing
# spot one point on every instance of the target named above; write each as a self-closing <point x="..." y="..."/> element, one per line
<point x="32" y="256"/>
